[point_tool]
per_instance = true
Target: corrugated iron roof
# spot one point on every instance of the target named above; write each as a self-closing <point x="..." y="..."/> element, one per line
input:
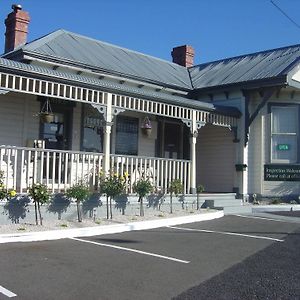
<point x="106" y="85"/>
<point x="64" y="46"/>
<point x="94" y="54"/>
<point x="246" y="68"/>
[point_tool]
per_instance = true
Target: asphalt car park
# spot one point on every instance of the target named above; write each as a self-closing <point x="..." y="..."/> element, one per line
<point x="152" y="264"/>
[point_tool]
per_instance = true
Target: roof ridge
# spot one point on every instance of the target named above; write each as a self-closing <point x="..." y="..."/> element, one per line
<point x="60" y="31"/>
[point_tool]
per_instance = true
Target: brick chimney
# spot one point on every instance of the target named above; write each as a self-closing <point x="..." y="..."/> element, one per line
<point x="183" y="55"/>
<point x="16" y="28"/>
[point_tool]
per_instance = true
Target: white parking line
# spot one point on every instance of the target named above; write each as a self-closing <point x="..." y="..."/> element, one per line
<point x="132" y="250"/>
<point x="263" y="218"/>
<point x="228" y="233"/>
<point x="7" y="292"/>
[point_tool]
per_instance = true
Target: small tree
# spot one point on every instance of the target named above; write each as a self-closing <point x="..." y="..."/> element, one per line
<point x="80" y="192"/>
<point x="175" y="187"/>
<point x="40" y="195"/>
<point x="200" y="189"/>
<point x="142" y="187"/>
<point x="113" y="185"/>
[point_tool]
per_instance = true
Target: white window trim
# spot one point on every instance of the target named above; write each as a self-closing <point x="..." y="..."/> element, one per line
<point x="286" y="161"/>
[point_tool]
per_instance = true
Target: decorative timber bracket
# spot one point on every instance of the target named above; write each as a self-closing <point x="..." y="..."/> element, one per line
<point x="194" y="129"/>
<point x="234" y="130"/>
<point x="265" y="96"/>
<point x="102" y="109"/>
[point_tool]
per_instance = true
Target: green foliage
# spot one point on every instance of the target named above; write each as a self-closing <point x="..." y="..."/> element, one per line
<point x="200" y="189"/>
<point x="1" y="178"/>
<point x="79" y="191"/>
<point x="175" y="187"/>
<point x="3" y="192"/>
<point x="113" y="185"/>
<point x="275" y="201"/>
<point x="142" y="187"/>
<point x="39" y="193"/>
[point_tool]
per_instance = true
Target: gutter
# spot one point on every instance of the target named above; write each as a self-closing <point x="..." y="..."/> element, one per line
<point x="252" y="84"/>
<point x="28" y="55"/>
<point x="44" y="73"/>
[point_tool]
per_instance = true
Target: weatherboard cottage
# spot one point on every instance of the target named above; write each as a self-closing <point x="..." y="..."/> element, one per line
<point x="72" y="106"/>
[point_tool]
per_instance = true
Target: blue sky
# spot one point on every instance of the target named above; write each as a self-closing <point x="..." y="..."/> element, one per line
<point x="215" y="28"/>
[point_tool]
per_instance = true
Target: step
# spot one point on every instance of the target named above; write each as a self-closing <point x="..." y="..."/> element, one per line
<point x="232" y="210"/>
<point x="221" y="196"/>
<point x="223" y="203"/>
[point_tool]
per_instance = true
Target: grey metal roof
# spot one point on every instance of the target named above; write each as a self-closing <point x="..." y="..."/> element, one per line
<point x="41" y="72"/>
<point x="85" y="52"/>
<point x="243" y="69"/>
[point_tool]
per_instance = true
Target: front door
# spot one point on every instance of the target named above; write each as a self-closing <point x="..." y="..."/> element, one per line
<point x="173" y="139"/>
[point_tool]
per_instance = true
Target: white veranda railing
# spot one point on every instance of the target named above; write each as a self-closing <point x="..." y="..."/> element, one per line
<point x="160" y="171"/>
<point x="61" y="169"/>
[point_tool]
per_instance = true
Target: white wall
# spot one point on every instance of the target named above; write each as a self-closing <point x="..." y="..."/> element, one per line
<point x="259" y="150"/>
<point x="215" y="159"/>
<point x="256" y="145"/>
<point x="18" y="120"/>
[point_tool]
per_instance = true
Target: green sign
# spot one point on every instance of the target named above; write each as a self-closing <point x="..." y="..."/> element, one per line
<point x="283" y="147"/>
<point x="282" y="172"/>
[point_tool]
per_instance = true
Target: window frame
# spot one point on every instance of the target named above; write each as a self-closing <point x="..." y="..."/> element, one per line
<point x="100" y="119"/>
<point x="137" y="121"/>
<point x="273" y="134"/>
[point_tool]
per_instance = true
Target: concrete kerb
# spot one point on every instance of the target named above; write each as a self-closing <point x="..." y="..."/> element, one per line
<point x="274" y="208"/>
<point x="106" y="229"/>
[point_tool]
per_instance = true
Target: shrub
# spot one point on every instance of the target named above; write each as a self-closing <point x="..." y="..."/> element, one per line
<point x="200" y="189"/>
<point x="142" y="187"/>
<point x="113" y="185"/>
<point x="80" y="192"/>
<point x="275" y="201"/>
<point x="3" y="192"/>
<point x="175" y="187"/>
<point x="40" y="195"/>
